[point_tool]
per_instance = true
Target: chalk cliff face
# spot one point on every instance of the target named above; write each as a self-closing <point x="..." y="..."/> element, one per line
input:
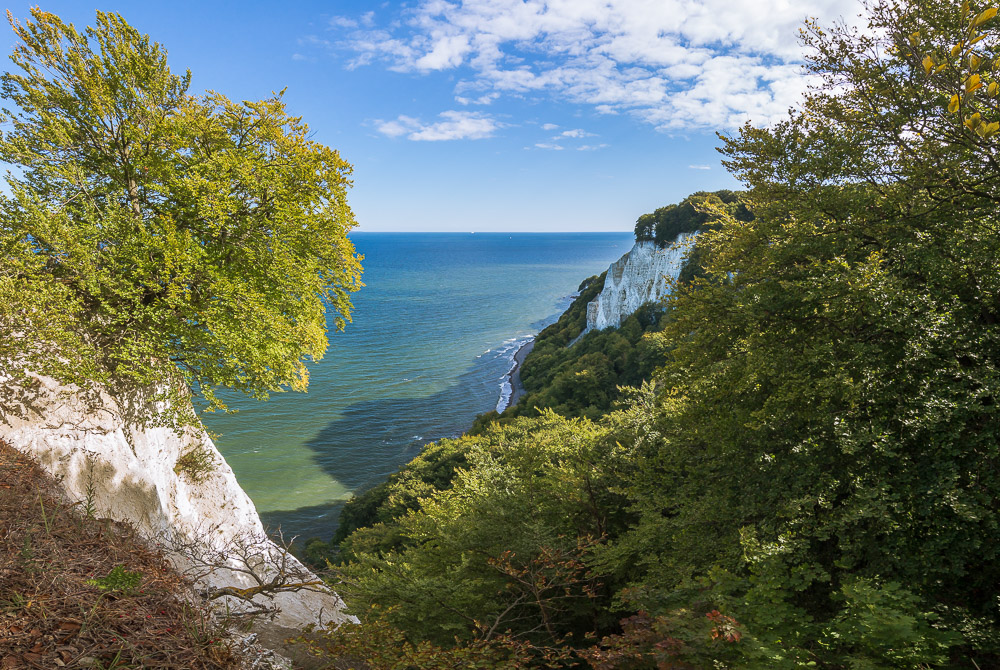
<point x="638" y="277"/>
<point x="129" y="473"/>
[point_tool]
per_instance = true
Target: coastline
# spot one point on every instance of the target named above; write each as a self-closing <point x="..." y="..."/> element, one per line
<point x="514" y="376"/>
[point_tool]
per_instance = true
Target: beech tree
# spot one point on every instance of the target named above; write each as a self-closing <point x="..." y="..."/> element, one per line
<point x="828" y="474"/>
<point x="149" y="234"/>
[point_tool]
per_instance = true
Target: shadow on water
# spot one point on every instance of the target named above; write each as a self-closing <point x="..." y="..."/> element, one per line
<point x="373" y="439"/>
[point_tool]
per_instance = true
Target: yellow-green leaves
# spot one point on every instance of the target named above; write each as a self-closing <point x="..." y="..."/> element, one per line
<point x="204" y="239"/>
<point x="987" y="130"/>
<point x="984" y="16"/>
<point x="981" y="128"/>
<point x="977" y="71"/>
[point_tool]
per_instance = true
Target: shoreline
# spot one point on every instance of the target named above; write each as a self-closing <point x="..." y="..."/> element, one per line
<point x="514" y="376"/>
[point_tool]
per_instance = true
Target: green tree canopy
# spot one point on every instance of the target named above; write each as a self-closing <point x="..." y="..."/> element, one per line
<point x="152" y="234"/>
<point x="828" y="472"/>
<point x="694" y="213"/>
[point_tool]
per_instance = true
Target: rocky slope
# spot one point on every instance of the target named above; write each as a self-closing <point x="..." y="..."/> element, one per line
<point x="638" y="277"/>
<point x="174" y="487"/>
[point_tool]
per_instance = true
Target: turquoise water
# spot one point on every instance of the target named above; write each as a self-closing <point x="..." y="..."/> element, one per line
<point x="433" y="337"/>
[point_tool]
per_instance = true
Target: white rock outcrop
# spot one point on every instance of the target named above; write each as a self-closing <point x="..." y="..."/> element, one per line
<point x="127" y="473"/>
<point x="638" y="277"/>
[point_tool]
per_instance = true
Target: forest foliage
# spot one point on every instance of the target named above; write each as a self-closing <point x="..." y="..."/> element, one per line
<point x="811" y="477"/>
<point x="808" y="477"/>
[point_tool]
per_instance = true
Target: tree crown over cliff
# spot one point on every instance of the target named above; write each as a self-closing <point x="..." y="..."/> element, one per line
<point x="690" y="215"/>
<point x="152" y="234"/>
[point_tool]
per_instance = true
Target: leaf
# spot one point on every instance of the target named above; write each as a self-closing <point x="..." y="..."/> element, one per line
<point x="928" y="64"/>
<point x="984" y="16"/>
<point x="993" y="89"/>
<point x="972" y="83"/>
<point x="974" y="62"/>
<point x="957" y="49"/>
<point x="990" y="129"/>
<point x="965" y="9"/>
<point x="953" y="105"/>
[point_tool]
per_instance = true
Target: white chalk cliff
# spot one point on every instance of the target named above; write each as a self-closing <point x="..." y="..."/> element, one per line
<point x="128" y="474"/>
<point x="638" y="277"/>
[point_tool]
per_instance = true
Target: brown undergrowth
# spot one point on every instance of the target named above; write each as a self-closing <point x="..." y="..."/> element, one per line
<point x="78" y="592"/>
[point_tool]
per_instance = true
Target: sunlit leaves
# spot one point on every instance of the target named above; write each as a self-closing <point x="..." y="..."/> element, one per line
<point x="204" y="239"/>
<point x="984" y="16"/>
<point x="973" y="58"/>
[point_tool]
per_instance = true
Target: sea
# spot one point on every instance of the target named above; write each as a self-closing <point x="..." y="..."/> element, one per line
<point x="430" y="346"/>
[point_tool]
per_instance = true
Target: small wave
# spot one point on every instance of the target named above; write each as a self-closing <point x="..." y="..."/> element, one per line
<point x="505" y="392"/>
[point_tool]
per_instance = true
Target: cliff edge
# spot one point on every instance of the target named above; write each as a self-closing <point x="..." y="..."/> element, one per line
<point x="173" y="486"/>
<point x="642" y="275"/>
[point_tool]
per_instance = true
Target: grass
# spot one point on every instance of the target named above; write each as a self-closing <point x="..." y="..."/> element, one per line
<point x="197" y="464"/>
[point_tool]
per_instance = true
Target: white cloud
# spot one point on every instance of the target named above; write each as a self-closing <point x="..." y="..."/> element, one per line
<point x="367" y="20"/>
<point x="576" y="132"/>
<point x="549" y="126"/>
<point x="452" y="125"/>
<point x="672" y="63"/>
<point x="700" y="167"/>
<point x="550" y="147"/>
<point x="343" y="22"/>
<point x="590" y="147"/>
<point x="481" y="100"/>
<point x="448" y="51"/>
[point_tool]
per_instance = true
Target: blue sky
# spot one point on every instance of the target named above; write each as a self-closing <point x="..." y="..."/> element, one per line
<point x="500" y="115"/>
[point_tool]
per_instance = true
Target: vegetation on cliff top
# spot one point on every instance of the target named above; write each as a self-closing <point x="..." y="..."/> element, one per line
<point x="695" y="213"/>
